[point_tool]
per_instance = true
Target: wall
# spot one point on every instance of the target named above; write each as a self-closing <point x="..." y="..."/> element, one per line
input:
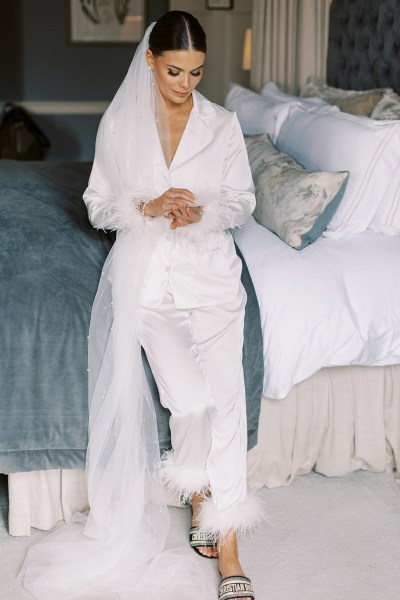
<point x="10" y="49"/>
<point x="225" y="36"/>
<point x="38" y="64"/>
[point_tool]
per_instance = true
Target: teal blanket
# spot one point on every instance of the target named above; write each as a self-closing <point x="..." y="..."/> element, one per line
<point x="50" y="261"/>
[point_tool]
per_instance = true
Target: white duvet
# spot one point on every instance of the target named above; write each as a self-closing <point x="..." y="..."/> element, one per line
<point x="337" y="302"/>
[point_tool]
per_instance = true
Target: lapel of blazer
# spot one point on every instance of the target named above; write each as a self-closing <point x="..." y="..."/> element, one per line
<point x="197" y="135"/>
<point x="198" y="132"/>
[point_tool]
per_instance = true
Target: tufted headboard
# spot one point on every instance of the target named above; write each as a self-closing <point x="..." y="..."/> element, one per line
<point x="364" y="44"/>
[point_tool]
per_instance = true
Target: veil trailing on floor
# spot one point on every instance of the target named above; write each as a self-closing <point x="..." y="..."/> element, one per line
<point x="119" y="546"/>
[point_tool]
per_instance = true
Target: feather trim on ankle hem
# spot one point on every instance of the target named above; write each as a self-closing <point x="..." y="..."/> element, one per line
<point x="185" y="481"/>
<point x="241" y="517"/>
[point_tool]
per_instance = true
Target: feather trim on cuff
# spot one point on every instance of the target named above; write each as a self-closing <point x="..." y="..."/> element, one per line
<point x="217" y="216"/>
<point x="122" y="214"/>
<point x="183" y="480"/>
<point x="240" y="517"/>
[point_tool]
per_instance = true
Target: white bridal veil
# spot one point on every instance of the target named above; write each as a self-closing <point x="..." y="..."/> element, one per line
<point x="120" y="546"/>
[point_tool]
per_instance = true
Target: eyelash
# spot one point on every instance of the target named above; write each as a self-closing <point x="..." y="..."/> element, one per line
<point x="197" y="74"/>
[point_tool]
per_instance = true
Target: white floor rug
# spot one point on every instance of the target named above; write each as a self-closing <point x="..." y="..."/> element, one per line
<point x="326" y="539"/>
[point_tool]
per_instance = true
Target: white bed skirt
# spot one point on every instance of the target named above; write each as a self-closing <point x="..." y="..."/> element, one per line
<point x="338" y="421"/>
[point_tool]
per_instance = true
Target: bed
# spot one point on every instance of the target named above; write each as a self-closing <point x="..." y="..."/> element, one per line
<point x="334" y="412"/>
<point x="346" y="417"/>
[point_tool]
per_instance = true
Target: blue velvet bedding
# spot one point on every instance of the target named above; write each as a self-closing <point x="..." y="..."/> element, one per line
<point x="50" y="260"/>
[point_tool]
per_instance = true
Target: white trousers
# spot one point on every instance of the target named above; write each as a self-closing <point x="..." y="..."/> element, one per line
<point x="196" y="359"/>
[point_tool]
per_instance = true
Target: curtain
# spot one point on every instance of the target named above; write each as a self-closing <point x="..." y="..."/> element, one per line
<point x="290" y="42"/>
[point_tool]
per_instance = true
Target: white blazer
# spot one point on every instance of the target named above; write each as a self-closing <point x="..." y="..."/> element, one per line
<point x="198" y="262"/>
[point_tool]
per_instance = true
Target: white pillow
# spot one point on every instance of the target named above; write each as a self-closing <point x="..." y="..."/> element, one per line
<point x="257" y="114"/>
<point x="273" y="92"/>
<point x="387" y="218"/>
<point x="337" y="141"/>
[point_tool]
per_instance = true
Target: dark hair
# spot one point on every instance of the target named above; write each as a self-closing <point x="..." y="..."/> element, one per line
<point x="177" y="30"/>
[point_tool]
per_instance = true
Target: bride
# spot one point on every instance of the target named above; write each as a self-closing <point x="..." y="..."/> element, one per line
<point x="171" y="176"/>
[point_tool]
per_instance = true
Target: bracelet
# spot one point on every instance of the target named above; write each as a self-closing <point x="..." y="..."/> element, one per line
<point x="143" y="206"/>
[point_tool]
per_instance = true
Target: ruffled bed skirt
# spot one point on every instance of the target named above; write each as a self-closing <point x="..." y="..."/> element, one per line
<point x="338" y="421"/>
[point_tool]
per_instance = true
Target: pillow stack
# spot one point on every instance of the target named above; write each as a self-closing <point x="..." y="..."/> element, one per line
<point x="325" y="144"/>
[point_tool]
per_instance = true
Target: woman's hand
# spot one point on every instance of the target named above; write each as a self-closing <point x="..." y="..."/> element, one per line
<point x="174" y="199"/>
<point x="185" y="216"/>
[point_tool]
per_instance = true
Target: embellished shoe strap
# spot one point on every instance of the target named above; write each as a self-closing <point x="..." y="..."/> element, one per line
<point x="232" y="588"/>
<point x="198" y="539"/>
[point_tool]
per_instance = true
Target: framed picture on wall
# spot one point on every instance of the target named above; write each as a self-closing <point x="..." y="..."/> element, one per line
<point x="105" y="21"/>
<point x="219" y="4"/>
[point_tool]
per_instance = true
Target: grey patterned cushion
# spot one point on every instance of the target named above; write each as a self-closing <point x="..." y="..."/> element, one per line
<point x="351" y="101"/>
<point x="388" y="107"/>
<point x="293" y="202"/>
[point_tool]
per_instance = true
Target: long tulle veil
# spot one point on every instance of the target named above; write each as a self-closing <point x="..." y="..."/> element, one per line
<point x="119" y="546"/>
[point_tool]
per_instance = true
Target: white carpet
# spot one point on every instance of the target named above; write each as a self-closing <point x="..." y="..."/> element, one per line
<point x="327" y="539"/>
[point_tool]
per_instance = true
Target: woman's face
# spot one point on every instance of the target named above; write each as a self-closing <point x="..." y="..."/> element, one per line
<point x="177" y="73"/>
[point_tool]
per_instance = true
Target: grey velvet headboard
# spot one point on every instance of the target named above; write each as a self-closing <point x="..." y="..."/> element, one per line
<point x="364" y="44"/>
